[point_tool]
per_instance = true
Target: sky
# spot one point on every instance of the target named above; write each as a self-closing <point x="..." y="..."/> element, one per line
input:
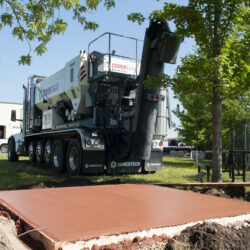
<point x="64" y="47"/>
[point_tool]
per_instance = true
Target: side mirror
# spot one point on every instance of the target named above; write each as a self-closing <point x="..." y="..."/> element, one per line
<point x="13" y="115"/>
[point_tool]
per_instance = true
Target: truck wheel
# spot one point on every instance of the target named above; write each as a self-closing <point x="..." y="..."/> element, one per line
<point x="32" y="151"/>
<point x="4" y="148"/>
<point x="12" y="156"/>
<point x="74" y="157"/>
<point x="47" y="152"/>
<point x="57" y="156"/>
<point x="39" y="152"/>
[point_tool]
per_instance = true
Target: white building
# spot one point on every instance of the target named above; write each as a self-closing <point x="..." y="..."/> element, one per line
<point x="7" y="127"/>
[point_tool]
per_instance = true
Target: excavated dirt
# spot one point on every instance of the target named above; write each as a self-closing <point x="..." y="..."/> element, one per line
<point x="211" y="236"/>
<point x="206" y="236"/>
<point x="20" y="225"/>
<point x="226" y="192"/>
<point x="8" y="235"/>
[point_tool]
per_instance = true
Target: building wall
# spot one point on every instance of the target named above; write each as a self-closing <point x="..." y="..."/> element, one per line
<point x="7" y="127"/>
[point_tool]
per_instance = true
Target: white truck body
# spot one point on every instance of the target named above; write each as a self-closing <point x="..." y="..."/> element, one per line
<point x="7" y="127"/>
<point x="68" y="83"/>
<point x="71" y="84"/>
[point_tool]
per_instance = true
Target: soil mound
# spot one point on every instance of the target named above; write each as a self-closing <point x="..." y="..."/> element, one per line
<point x="211" y="236"/>
<point x="226" y="192"/>
<point x="8" y="235"/>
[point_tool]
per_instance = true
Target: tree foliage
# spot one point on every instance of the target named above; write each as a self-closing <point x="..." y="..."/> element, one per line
<point x="236" y="111"/>
<point x="195" y="118"/>
<point x="37" y="21"/>
<point x="219" y="70"/>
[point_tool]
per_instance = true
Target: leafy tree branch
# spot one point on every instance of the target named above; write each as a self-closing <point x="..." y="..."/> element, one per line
<point x="38" y="21"/>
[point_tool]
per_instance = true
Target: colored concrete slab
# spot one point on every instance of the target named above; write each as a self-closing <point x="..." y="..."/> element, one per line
<point x="82" y="213"/>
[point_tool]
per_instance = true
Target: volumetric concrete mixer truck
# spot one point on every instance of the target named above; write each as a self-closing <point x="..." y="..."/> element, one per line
<point x="96" y="115"/>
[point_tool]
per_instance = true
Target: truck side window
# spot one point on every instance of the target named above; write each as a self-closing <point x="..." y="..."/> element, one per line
<point x="71" y="74"/>
<point x="2" y="132"/>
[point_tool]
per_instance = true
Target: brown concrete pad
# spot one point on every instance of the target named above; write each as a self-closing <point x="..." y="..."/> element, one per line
<point x="70" y="214"/>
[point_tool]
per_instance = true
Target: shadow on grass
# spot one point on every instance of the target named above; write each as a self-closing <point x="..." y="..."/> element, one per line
<point x="193" y="178"/>
<point x="178" y="162"/>
<point x="16" y="175"/>
<point x="24" y="174"/>
<point x="128" y="179"/>
<point x="25" y="165"/>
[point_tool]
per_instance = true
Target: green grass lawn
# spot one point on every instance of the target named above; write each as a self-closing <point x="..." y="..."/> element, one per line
<point x="22" y="173"/>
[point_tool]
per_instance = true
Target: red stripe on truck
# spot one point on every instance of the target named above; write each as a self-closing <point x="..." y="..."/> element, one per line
<point x="82" y="72"/>
<point x="83" y="77"/>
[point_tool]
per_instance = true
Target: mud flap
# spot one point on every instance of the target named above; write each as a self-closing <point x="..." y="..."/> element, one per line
<point x="155" y="161"/>
<point x="130" y="166"/>
<point x="93" y="162"/>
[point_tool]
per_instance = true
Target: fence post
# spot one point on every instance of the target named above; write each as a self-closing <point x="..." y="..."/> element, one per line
<point x="244" y="166"/>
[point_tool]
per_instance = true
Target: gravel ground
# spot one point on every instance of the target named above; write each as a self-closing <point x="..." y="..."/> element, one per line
<point x="157" y="246"/>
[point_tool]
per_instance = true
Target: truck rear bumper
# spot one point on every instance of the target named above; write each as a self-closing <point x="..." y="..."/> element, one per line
<point x="155" y="161"/>
<point x="136" y="165"/>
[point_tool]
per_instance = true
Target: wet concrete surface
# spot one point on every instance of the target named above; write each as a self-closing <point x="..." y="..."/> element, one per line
<point x="82" y="213"/>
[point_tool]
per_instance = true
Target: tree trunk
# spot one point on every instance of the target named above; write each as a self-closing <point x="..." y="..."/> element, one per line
<point x="217" y="138"/>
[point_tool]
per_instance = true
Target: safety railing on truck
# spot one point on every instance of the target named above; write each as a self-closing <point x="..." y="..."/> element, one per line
<point x="113" y="61"/>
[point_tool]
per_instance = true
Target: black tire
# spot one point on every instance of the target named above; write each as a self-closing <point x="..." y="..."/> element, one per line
<point x="39" y="152"/>
<point x="47" y="152"/>
<point x="32" y="151"/>
<point x="4" y="148"/>
<point x="12" y="156"/>
<point x="58" y="156"/>
<point x="74" y="157"/>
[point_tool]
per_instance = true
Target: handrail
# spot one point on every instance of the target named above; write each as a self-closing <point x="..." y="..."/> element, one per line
<point x="113" y="34"/>
<point x="110" y="34"/>
<point x="239" y="151"/>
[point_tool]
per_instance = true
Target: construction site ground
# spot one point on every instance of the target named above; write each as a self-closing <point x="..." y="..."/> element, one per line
<point x="131" y="208"/>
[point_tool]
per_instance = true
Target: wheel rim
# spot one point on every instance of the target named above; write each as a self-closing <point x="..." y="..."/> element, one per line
<point x="4" y="148"/>
<point x="47" y="152"/>
<point x="56" y="157"/>
<point x="73" y="159"/>
<point x="38" y="151"/>
<point x="31" y="151"/>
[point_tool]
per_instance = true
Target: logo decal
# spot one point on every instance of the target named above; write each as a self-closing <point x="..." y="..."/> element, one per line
<point x="113" y="164"/>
